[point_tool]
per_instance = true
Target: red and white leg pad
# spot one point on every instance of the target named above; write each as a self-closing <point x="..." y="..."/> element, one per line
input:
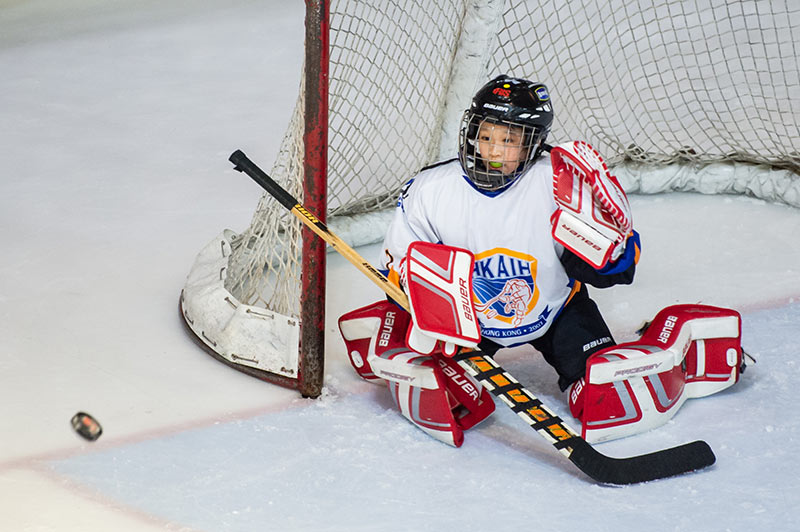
<point x="687" y="351"/>
<point x="431" y="391"/>
<point x="379" y="326"/>
<point x="444" y="403"/>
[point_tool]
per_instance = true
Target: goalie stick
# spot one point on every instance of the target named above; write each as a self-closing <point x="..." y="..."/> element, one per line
<point x="601" y="468"/>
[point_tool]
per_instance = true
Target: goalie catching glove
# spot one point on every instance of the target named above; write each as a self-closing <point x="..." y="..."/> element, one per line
<point x="593" y="218"/>
<point x="438" y="281"/>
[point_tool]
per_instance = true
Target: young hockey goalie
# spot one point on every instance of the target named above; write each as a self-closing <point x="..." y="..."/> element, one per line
<point x="495" y="249"/>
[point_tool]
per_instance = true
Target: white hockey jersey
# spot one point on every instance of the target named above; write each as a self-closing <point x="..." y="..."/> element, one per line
<point x="518" y="280"/>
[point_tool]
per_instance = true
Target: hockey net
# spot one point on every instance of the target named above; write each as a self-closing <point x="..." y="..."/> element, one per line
<point x="645" y="83"/>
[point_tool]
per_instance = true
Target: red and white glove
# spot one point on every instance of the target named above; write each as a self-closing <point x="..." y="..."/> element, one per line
<point x="593" y="218"/>
<point x="438" y="281"/>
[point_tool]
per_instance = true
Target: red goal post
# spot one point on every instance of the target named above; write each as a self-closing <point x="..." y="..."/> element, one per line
<point x="311" y="362"/>
<point x="699" y="86"/>
<point x="297" y="362"/>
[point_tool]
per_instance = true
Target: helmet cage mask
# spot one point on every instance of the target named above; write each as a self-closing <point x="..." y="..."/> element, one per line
<point x="517" y="143"/>
<point x="509" y="104"/>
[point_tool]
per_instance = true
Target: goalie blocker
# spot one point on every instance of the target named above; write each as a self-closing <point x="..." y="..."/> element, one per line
<point x="386" y="343"/>
<point x="438" y="281"/>
<point x="687" y="351"/>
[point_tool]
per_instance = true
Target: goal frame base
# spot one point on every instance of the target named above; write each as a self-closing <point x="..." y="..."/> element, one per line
<point x="306" y="390"/>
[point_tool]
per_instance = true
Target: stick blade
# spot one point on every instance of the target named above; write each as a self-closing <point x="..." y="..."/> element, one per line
<point x="653" y="466"/>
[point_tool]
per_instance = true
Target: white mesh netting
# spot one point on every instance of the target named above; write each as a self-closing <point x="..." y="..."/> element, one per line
<point x="642" y="81"/>
<point x="665" y="81"/>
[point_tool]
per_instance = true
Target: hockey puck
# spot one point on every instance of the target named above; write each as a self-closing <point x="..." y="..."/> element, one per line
<point x="86" y="426"/>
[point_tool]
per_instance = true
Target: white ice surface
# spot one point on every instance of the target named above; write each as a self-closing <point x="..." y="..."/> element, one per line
<point x="116" y="121"/>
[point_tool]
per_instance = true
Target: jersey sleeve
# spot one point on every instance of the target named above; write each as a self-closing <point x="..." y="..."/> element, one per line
<point x="410" y="223"/>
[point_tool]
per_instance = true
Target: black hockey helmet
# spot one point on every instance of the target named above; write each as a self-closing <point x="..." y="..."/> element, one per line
<point x="510" y="103"/>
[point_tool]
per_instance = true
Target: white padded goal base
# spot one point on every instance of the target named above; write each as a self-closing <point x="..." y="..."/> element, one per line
<point x="242" y="334"/>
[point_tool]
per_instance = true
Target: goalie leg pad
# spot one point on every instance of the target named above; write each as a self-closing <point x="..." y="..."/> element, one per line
<point x="577" y="398"/>
<point x="373" y="329"/>
<point x="637" y="386"/>
<point x="429" y="411"/>
<point x="628" y="406"/>
<point x="472" y="402"/>
<point x="711" y="338"/>
<point x="433" y="402"/>
<point x="432" y="392"/>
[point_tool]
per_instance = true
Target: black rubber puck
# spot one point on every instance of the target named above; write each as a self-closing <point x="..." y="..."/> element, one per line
<point x="86" y="426"/>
